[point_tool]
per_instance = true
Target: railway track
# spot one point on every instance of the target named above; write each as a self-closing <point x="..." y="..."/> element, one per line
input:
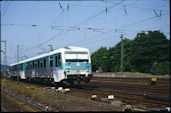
<point x="150" y="88"/>
<point x="144" y="93"/>
<point x="13" y="103"/>
<point x="163" y="84"/>
<point x="144" y="97"/>
<point x="133" y="98"/>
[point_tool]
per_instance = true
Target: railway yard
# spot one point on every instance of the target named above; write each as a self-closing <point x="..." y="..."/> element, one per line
<point x="101" y="94"/>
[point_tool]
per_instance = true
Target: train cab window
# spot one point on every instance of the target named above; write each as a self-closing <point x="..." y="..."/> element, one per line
<point x="56" y="61"/>
<point x="51" y="61"/>
<point x="33" y="64"/>
<point x="41" y="64"/>
<point x="38" y="64"/>
<point x="44" y="61"/>
<point x="59" y="57"/>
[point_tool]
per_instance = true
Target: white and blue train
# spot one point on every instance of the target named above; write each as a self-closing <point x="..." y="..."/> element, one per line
<point x="68" y="63"/>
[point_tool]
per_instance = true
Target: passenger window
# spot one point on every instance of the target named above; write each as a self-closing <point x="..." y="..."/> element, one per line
<point x="44" y="63"/>
<point x="33" y="64"/>
<point x="38" y="64"/>
<point x="30" y="65"/>
<point x="27" y="66"/>
<point x="56" y="61"/>
<point x="41" y="64"/>
<point x="51" y="61"/>
<point x="59" y="60"/>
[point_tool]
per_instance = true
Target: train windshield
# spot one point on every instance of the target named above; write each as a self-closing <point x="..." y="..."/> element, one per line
<point x="76" y="56"/>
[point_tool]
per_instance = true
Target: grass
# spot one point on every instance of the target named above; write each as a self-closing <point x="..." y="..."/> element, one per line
<point x="137" y="73"/>
<point x="55" y="100"/>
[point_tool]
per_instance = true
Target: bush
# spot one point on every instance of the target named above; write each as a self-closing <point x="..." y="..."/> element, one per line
<point x="160" y="68"/>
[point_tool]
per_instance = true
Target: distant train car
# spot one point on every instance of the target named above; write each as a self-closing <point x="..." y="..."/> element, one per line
<point x="69" y="63"/>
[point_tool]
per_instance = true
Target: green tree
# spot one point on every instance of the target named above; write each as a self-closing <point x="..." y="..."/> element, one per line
<point x="99" y="59"/>
<point x="147" y="53"/>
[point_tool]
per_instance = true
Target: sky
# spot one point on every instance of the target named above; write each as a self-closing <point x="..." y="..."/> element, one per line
<point x="34" y="25"/>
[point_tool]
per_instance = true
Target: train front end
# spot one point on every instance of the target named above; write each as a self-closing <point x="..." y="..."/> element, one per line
<point x="77" y="65"/>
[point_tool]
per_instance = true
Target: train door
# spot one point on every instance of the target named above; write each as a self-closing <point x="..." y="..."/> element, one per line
<point x="51" y="66"/>
<point x="58" y="72"/>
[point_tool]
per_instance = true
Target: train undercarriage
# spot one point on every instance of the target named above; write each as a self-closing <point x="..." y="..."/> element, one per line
<point x="77" y="79"/>
<point x="71" y="80"/>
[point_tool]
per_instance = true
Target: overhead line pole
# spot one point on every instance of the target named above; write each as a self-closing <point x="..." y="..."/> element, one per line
<point x="0" y="46"/>
<point x="5" y="56"/>
<point x="122" y="53"/>
<point x="18" y="64"/>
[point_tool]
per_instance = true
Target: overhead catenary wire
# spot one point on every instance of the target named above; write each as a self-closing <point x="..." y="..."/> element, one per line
<point x="80" y="23"/>
<point x="5" y="10"/>
<point x="91" y="37"/>
<point x="145" y="8"/>
<point x="135" y="23"/>
<point x="87" y="43"/>
<point x="5" y="3"/>
<point x="97" y="14"/>
<point x="84" y="40"/>
<point x="139" y="22"/>
<point x="89" y="18"/>
<point x="114" y="29"/>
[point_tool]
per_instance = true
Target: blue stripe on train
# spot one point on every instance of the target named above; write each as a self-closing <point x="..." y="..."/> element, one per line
<point x="77" y="66"/>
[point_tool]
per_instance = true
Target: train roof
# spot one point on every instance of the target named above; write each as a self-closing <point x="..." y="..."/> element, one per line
<point x="70" y="48"/>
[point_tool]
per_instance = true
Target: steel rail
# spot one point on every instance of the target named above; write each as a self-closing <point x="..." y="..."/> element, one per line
<point x="147" y="96"/>
<point x="143" y="88"/>
<point x="2" y="108"/>
<point x="32" y="104"/>
<point x="144" y="100"/>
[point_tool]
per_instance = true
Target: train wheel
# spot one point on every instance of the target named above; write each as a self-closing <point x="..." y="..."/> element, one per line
<point x="87" y="80"/>
<point x="71" y="82"/>
<point x="78" y="82"/>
